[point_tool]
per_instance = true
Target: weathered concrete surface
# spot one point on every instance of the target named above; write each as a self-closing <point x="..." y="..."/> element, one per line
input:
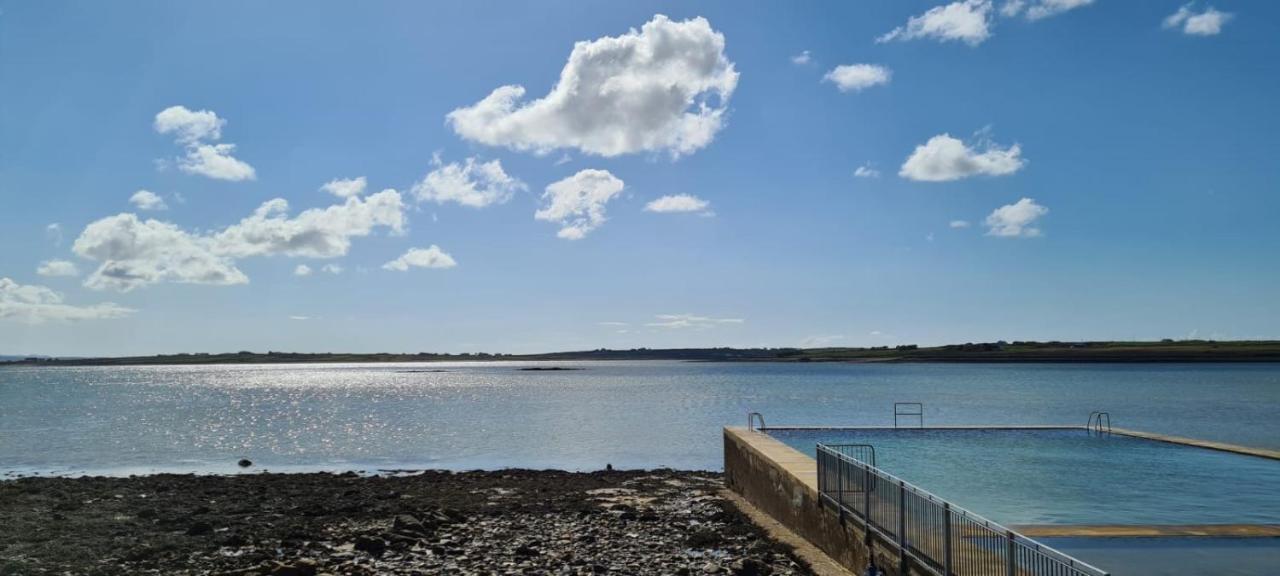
<point x="1150" y="530"/>
<point x="1220" y="446"/>
<point x="818" y="560"/>
<point x="783" y="483"/>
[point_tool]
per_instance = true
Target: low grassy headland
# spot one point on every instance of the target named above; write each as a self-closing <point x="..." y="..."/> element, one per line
<point x="503" y="522"/>
<point x="1163" y="351"/>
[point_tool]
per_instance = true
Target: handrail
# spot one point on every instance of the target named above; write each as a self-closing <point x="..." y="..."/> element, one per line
<point x="897" y="411"/>
<point x="1096" y="417"/>
<point x="931" y="533"/>
<point x="751" y="417"/>
<point x="856" y="450"/>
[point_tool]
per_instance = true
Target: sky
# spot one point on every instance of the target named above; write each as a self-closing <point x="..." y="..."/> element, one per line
<point x="522" y="177"/>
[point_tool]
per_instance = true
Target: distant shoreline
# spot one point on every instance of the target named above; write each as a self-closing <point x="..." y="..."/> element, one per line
<point x="1182" y="351"/>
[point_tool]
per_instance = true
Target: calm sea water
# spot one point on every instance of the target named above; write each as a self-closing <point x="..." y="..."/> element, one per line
<point x="629" y="414"/>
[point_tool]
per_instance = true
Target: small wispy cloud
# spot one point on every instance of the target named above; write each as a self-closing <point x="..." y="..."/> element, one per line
<point x="54" y="233"/>
<point x="866" y="171"/>
<point x="58" y="268"/>
<point x="968" y="21"/>
<point x="148" y="200"/>
<point x="1016" y="220"/>
<point x="802" y="58"/>
<point x="959" y="224"/>
<point x="682" y="321"/>
<point x="675" y="203"/>
<point x="1208" y="22"/>
<point x="858" y="77"/>
<point x="821" y="341"/>
<point x="945" y="158"/>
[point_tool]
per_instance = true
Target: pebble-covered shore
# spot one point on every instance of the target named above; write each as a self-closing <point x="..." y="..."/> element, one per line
<point x="504" y="522"/>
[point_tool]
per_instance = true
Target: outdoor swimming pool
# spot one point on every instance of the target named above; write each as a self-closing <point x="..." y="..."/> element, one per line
<point x="1033" y="477"/>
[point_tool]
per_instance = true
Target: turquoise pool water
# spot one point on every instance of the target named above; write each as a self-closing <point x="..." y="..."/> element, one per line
<point x="1069" y="477"/>
<point x="1176" y="556"/>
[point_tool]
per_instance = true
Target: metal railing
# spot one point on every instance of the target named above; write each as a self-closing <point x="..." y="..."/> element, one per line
<point x="901" y="409"/>
<point x="930" y="532"/>
<point x="861" y="452"/>
<point x="751" y="418"/>
<point x="1096" y="422"/>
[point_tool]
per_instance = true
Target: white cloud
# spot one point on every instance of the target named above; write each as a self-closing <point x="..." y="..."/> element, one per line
<point x="314" y="233"/>
<point x="58" y="268"/>
<point x="472" y="183"/>
<point x="959" y="224"/>
<point x="332" y="269"/>
<point x="821" y="341"/>
<point x="968" y="21"/>
<point x="33" y="304"/>
<point x="678" y="203"/>
<point x="680" y="321"/>
<point x="147" y="200"/>
<point x="189" y="126"/>
<point x="429" y="257"/>
<point x="1206" y="23"/>
<point x="1016" y="220"/>
<point x="866" y="171"/>
<point x="858" y="77"/>
<point x="614" y="324"/>
<point x="302" y="270"/>
<point x="944" y="158"/>
<point x="197" y="131"/>
<point x="577" y="202"/>
<point x="665" y="87"/>
<point x="300" y="318"/>
<point x="345" y="187"/>
<point x="136" y="253"/>
<point x="802" y="58"/>
<point x="54" y="233"/>
<point x="1039" y="9"/>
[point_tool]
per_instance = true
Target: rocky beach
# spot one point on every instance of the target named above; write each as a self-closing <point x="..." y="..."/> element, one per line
<point x="499" y="522"/>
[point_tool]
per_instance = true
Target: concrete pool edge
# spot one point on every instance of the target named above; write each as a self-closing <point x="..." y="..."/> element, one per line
<point x="783" y="483"/>
<point x="1166" y="438"/>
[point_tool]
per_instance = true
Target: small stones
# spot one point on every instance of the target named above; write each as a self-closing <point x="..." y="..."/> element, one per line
<point x="374" y="546"/>
<point x="509" y="523"/>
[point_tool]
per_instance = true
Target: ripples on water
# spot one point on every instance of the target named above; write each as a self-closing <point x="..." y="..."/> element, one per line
<point x="630" y="414"/>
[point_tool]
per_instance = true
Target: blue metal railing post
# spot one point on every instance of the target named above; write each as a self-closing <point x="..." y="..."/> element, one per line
<point x="1012" y="565"/>
<point x="902" y="527"/>
<point x="946" y="539"/>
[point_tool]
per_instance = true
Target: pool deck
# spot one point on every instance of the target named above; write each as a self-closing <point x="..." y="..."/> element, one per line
<point x="1206" y="444"/>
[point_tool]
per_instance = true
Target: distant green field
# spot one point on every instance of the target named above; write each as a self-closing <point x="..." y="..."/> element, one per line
<point x="1164" y="351"/>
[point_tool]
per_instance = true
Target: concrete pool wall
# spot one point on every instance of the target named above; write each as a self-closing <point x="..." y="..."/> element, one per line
<point x="783" y="482"/>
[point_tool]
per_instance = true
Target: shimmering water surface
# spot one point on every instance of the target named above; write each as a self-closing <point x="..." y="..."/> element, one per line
<point x="1070" y="476"/>
<point x="630" y="414"/>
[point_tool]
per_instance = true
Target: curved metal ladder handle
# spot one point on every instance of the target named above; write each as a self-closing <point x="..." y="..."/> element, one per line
<point x="751" y="418"/>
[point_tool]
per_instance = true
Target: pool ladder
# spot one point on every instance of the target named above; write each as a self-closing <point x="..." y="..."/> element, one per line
<point x="1099" y="422"/>
<point x="751" y="419"/>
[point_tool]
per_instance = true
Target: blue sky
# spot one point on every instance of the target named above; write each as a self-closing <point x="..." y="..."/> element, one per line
<point x="1113" y="163"/>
